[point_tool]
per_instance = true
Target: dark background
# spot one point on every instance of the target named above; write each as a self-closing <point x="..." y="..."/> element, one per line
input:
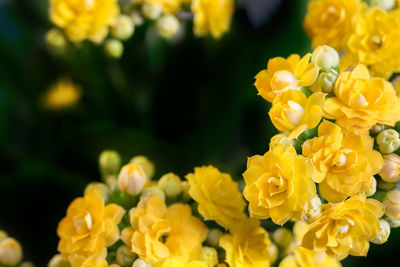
<point x="182" y="104"/>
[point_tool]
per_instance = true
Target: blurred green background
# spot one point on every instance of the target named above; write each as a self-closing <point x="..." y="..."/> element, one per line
<point x="183" y="104"/>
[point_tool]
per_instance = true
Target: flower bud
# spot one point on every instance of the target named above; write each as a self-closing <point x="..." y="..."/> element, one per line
<point x="282" y="237"/>
<point x="377" y="128"/>
<point x="153" y="191"/>
<point x="273" y="253"/>
<point x="56" y="39"/>
<point x="146" y="164"/>
<point x="114" y="48"/>
<point x="325" y="57"/>
<point x="372" y="188"/>
<point x="170" y="184"/>
<point x="123" y="28"/>
<point x="102" y="188"/>
<point x="10" y="252"/>
<point x="110" y="161"/>
<point x="384" y="232"/>
<point x="137" y="18"/>
<point x="392" y="205"/>
<point x="384" y="4"/>
<point x="141" y="263"/>
<point x="125" y="256"/>
<point x="132" y="179"/>
<point x="386" y="186"/>
<point x="168" y="26"/>
<point x="27" y="264"/>
<point x="393" y="223"/>
<point x="152" y="12"/>
<point x="185" y="191"/>
<point x="213" y="237"/>
<point x="388" y="141"/>
<point x="209" y="255"/>
<point x="3" y="235"/>
<point x="326" y="80"/>
<point x="59" y="261"/>
<point x="391" y="168"/>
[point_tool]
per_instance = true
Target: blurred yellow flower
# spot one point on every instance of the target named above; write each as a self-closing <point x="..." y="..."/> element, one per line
<point x="293" y="111"/>
<point x="218" y="196"/>
<point x="182" y="262"/>
<point x="375" y="41"/>
<point x="328" y="22"/>
<point x="168" y="6"/>
<point x="361" y="101"/>
<point x="158" y="232"/>
<point x="279" y="185"/>
<point x="63" y="94"/>
<point x="344" y="165"/>
<point x="345" y="228"/>
<point x="89" y="227"/>
<point x="212" y="16"/>
<point x="91" y="261"/>
<point x="302" y="257"/>
<point x="285" y="74"/>
<point x="84" y="19"/>
<point x="247" y="245"/>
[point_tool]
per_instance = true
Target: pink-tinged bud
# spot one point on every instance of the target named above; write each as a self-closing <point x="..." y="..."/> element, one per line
<point x="10" y="252"/>
<point x="132" y="179"/>
<point x="391" y="168"/>
<point x="392" y="204"/>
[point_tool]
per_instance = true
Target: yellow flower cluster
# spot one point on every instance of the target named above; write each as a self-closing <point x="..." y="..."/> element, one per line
<point x="329" y="122"/>
<point x="365" y="34"/>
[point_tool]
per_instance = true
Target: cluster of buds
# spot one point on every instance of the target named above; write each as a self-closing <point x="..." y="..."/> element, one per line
<point x="11" y="252"/>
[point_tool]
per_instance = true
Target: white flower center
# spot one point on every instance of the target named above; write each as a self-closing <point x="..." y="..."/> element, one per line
<point x="294" y="113"/>
<point x="284" y="80"/>
<point x="88" y="220"/>
<point x="341" y="160"/>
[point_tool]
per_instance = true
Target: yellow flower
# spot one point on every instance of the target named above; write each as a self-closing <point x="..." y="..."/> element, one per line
<point x="303" y="257"/>
<point x="89" y="226"/>
<point x="158" y="232"/>
<point x="212" y="16"/>
<point x="247" y="245"/>
<point x="344" y="165"/>
<point x="91" y="261"/>
<point x="168" y="6"/>
<point x="84" y="19"/>
<point x="285" y="74"/>
<point x="345" y="228"/>
<point x="218" y="196"/>
<point x="293" y="111"/>
<point x="328" y="22"/>
<point x="181" y="262"/>
<point x="63" y="94"/>
<point x="375" y="41"/>
<point x="279" y="185"/>
<point x="361" y="101"/>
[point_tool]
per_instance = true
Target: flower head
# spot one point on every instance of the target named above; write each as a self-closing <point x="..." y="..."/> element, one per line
<point x="218" y="196"/>
<point x="84" y="19"/>
<point x="279" y="185"/>
<point x="302" y="257"/>
<point x="89" y="226"/>
<point x="345" y="228"/>
<point x="361" y="101"/>
<point x="285" y="74"/>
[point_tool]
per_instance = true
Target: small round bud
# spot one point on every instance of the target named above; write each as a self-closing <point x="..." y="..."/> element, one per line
<point x="10" y="252"/>
<point x="209" y="255"/>
<point x="114" y="48"/>
<point x="326" y="80"/>
<point x="123" y="28"/>
<point x="132" y="179"/>
<point x="372" y="188"/>
<point x="153" y="191"/>
<point x="168" y="26"/>
<point x="56" y="39"/>
<point x="273" y="253"/>
<point x="141" y="263"/>
<point x="392" y="204"/>
<point x="388" y="141"/>
<point x="391" y="168"/>
<point x="282" y="237"/>
<point x="137" y="18"/>
<point x="146" y="164"/>
<point x="110" y="161"/>
<point x="125" y="256"/>
<point x="59" y="261"/>
<point x="3" y="235"/>
<point x="384" y="232"/>
<point x="384" y="4"/>
<point x="213" y="237"/>
<point x="152" y="12"/>
<point x="325" y="57"/>
<point x="27" y="264"/>
<point x="102" y="188"/>
<point x="377" y="128"/>
<point x="170" y="184"/>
